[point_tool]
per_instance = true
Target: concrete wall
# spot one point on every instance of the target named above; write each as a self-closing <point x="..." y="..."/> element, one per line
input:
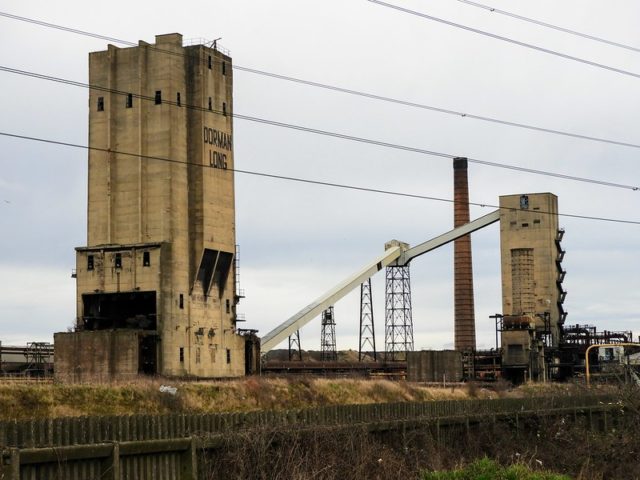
<point x="96" y="356"/>
<point x="434" y="366"/>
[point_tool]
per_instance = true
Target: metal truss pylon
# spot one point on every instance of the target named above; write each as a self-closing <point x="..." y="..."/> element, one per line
<point x="398" y="316"/>
<point x="367" y="327"/>
<point x="294" y="346"/>
<point x="328" y="349"/>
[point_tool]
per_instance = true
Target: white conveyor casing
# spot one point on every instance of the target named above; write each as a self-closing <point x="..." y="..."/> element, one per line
<point x="392" y="256"/>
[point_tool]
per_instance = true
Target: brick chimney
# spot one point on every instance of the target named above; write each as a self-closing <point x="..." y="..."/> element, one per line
<point x="464" y="316"/>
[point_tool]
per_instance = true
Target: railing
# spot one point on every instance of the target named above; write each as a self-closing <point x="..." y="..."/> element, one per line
<point x="208" y="43"/>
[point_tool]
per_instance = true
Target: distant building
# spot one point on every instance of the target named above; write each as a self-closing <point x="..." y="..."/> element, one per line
<point x="532" y="276"/>
<point x="156" y="289"/>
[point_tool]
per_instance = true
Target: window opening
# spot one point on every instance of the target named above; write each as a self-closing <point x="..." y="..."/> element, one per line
<point x="228" y="356"/>
<point x="210" y="104"/>
<point x="210" y="62"/>
<point x="181" y="301"/>
<point x="101" y="104"/>
<point x="158" y="97"/>
<point x="181" y="354"/>
<point x="118" y="260"/>
<point x="224" y="108"/>
<point x="178" y="99"/>
<point x="146" y="259"/>
<point x="228" y="306"/>
<point x="129" y="103"/>
<point x="89" y="262"/>
<point x="224" y="68"/>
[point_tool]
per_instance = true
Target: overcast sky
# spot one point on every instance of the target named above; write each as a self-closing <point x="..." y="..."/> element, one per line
<point x="298" y="240"/>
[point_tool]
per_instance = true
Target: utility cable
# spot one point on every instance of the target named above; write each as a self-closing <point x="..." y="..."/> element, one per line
<point x="433" y="108"/>
<point x="506" y="39"/>
<point x="304" y="180"/>
<point x="550" y="25"/>
<point x="335" y="88"/>
<point x="316" y="131"/>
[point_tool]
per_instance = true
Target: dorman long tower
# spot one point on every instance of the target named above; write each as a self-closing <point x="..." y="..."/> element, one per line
<point x="156" y="290"/>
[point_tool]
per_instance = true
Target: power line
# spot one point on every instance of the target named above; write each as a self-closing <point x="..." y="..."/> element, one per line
<point x="327" y="133"/>
<point x="550" y="25"/>
<point x="340" y="89"/>
<point x="66" y="29"/>
<point x="506" y="39"/>
<point x="304" y="180"/>
<point x="433" y="108"/>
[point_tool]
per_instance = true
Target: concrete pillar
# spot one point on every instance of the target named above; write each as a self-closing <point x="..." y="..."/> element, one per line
<point x="464" y="310"/>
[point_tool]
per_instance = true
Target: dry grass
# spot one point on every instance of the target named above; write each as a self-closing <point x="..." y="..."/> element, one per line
<point x="25" y="401"/>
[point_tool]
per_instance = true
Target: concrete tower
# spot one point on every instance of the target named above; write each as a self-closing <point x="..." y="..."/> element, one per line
<point x="464" y="311"/>
<point x="532" y="276"/>
<point x="155" y="283"/>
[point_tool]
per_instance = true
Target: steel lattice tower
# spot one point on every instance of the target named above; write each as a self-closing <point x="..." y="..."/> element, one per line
<point x="328" y="337"/>
<point x="294" y="345"/>
<point x="367" y="328"/>
<point x="398" y="318"/>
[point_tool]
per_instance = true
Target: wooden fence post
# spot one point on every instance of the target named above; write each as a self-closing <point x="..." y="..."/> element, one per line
<point x="189" y="462"/>
<point x="14" y="472"/>
<point x="111" y="464"/>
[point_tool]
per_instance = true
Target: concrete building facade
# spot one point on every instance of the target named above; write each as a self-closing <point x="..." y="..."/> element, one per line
<point x="532" y="276"/>
<point x="160" y="253"/>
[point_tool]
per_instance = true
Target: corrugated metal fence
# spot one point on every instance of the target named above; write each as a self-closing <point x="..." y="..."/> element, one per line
<point x="167" y="446"/>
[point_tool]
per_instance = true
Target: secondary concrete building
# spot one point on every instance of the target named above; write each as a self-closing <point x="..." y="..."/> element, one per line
<point x="532" y="276"/>
<point x="156" y="283"/>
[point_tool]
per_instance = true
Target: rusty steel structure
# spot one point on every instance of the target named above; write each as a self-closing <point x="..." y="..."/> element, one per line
<point x="464" y="311"/>
<point x="33" y="360"/>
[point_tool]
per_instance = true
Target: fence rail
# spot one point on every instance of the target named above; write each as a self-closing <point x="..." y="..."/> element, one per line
<point x="177" y="447"/>
<point x="59" y="432"/>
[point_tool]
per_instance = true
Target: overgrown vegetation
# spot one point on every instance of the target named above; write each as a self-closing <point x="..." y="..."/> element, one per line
<point x="572" y="447"/>
<point x="487" y="469"/>
<point x="40" y="400"/>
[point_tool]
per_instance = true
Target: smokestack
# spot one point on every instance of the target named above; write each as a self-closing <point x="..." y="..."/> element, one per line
<point x="464" y="316"/>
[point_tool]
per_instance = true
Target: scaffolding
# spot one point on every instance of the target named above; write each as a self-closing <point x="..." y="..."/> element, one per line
<point x="398" y="316"/>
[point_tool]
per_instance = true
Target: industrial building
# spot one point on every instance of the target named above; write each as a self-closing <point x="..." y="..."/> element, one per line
<point x="532" y="276"/>
<point x="157" y="285"/>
